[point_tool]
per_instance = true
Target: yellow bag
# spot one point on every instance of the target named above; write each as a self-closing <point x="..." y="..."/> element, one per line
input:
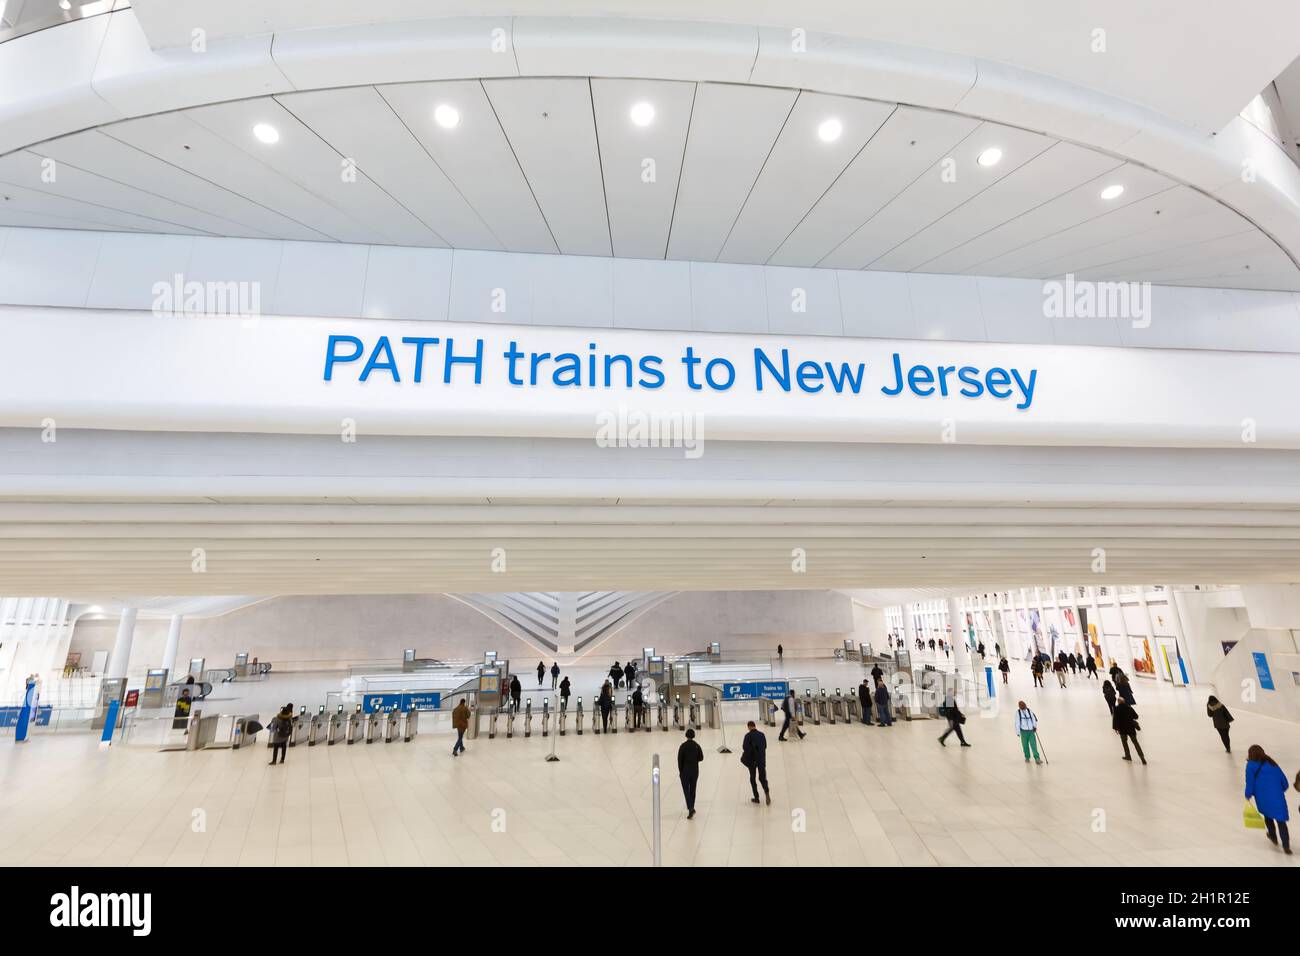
<point x="1252" y="818"/>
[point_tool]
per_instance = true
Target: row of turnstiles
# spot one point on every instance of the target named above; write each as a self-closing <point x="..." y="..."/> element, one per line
<point x="386" y="724"/>
<point x="814" y="708"/>
<point x="653" y="712"/>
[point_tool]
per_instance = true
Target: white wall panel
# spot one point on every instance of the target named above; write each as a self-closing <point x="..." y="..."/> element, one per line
<point x="129" y="266"/>
<point x="407" y="283"/>
<point x="321" y="279"/>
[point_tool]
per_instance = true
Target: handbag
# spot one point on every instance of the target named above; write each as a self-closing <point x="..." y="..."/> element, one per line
<point x="1251" y="818"/>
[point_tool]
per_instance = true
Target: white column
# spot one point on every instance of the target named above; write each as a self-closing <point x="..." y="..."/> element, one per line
<point x="960" y="643"/>
<point x="909" y="628"/>
<point x="117" y="661"/>
<point x="1097" y="623"/>
<point x="1184" y="646"/>
<point x="1156" y="662"/>
<point x="1125" y="657"/>
<point x="173" y="643"/>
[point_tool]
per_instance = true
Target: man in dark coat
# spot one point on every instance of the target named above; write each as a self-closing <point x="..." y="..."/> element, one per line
<point x="1125" y="723"/>
<point x="630" y="673"/>
<point x="787" y="709"/>
<point x="754" y="756"/>
<point x="516" y="690"/>
<point x="689" y="756"/>
<point x="864" y="701"/>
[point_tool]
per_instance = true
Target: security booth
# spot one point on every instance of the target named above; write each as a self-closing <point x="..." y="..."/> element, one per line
<point x="155" y="688"/>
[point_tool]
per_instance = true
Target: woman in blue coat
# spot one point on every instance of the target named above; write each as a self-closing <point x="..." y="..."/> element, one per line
<point x="1266" y="782"/>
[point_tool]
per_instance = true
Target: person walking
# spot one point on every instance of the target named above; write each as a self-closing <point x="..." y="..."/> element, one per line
<point x="1059" y="667"/>
<point x="788" y="710"/>
<point x="753" y="755"/>
<point x="638" y="705"/>
<point x="864" y="701"/>
<point x="877" y="675"/>
<point x="516" y="690"/>
<point x="1221" y="718"/>
<point x="541" y="673"/>
<point x="1125" y="689"/>
<point x="1036" y="668"/>
<point x="689" y="755"/>
<point x="564" y="692"/>
<point x="1074" y="663"/>
<point x="181" y="715"/>
<point x="882" y="705"/>
<point x="1090" y="663"/>
<point x="1005" y="668"/>
<point x="1027" y="729"/>
<point x="629" y="672"/>
<point x="979" y="649"/>
<point x="616" y="674"/>
<point x="555" y="674"/>
<point x="460" y="723"/>
<point x="1108" y="691"/>
<point x="1125" y="723"/>
<point x="952" y="713"/>
<point x="606" y="703"/>
<point x="780" y="653"/>
<point x="281" y="729"/>
<point x="1266" y="783"/>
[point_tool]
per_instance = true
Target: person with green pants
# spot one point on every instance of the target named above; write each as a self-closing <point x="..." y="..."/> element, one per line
<point x="1027" y="728"/>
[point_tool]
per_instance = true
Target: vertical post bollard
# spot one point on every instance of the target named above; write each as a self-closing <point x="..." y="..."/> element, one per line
<point x="654" y="823"/>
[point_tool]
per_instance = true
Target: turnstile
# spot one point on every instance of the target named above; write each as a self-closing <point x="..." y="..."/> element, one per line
<point x="628" y="714"/>
<point x="356" y="725"/>
<point x="492" y="724"/>
<point x="677" y="712"/>
<point x="412" y="725"/>
<point x="372" y="725"/>
<point x="852" y="707"/>
<point x="335" y="725"/>
<point x="693" y="714"/>
<point x="663" y="712"/>
<point x="317" y="721"/>
<point x="391" y="725"/>
<point x="810" y="707"/>
<point x="546" y="716"/>
<point x="528" y="718"/>
<point x="510" y="720"/>
<point x="577" y="717"/>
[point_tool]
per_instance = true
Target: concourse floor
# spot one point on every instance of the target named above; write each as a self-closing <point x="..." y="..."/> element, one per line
<point x="847" y="795"/>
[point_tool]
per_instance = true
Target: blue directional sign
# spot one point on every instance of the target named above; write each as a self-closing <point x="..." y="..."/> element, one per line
<point x="753" y="689"/>
<point x="420" y="700"/>
<point x="1261" y="668"/>
<point x="40" y="717"/>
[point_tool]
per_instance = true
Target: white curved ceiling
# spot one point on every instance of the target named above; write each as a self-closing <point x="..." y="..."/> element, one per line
<point x="725" y="172"/>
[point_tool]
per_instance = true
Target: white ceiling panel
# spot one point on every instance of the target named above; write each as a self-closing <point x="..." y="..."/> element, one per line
<point x="909" y="143"/>
<point x="1133" y="218"/>
<point x="476" y="156"/>
<point x="1066" y="211"/>
<point x="641" y="165"/>
<point x="175" y="138"/>
<point x="304" y="158"/>
<point x="1238" y="254"/>
<point x="359" y="125"/>
<point x="71" y="182"/>
<point x="1048" y="175"/>
<point x="552" y="129"/>
<point x="99" y="153"/>
<point x="732" y="130"/>
<point x="800" y="168"/>
<point x="20" y="199"/>
<point x="947" y="184"/>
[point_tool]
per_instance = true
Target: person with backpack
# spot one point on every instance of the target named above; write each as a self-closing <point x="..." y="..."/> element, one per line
<point x="1027" y="729"/>
<point x="460" y="723"/>
<point x="1005" y="668"/>
<point x="787" y="709"/>
<point x="541" y="673"/>
<point x="1266" y="783"/>
<point x="281" y="729"/>
<point x="1125" y="723"/>
<point x="555" y="674"/>
<point x="1221" y="718"/>
<point x="952" y="713"/>
<point x="689" y="757"/>
<point x="754" y="756"/>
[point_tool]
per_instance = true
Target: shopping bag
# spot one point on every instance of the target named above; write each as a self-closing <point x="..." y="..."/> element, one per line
<point x="1252" y="818"/>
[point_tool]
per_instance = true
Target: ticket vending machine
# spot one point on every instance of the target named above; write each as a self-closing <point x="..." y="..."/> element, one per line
<point x="110" y="689"/>
<point x="489" y="695"/>
<point x="155" y="688"/>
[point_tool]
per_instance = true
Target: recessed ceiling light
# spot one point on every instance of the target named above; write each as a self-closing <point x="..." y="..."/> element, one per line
<point x="643" y="114"/>
<point x="448" y="117"/>
<point x="830" y="130"/>
<point x="990" y="157"/>
<point x="266" y="133"/>
<point x="65" y="4"/>
<point x="1112" y="192"/>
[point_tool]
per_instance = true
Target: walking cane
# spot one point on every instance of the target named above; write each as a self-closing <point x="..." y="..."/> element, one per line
<point x="1041" y="747"/>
